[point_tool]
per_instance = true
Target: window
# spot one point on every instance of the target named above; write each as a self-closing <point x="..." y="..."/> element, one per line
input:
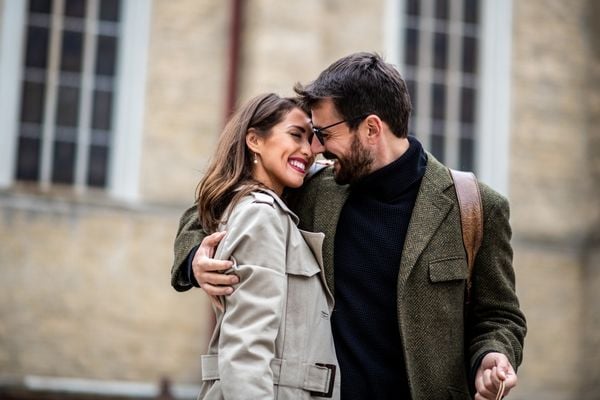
<point x="80" y="68"/>
<point x="68" y="90"/>
<point x="441" y="70"/>
<point x="454" y="56"/>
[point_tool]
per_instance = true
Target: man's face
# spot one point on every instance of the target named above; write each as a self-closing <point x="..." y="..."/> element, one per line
<point x="352" y="160"/>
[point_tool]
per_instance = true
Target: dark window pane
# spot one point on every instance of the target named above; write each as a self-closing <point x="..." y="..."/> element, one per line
<point x="467" y="147"/>
<point x="32" y="104"/>
<point x="36" y="53"/>
<point x="467" y="105"/>
<point x="101" y="117"/>
<point x="67" y="112"/>
<point x="471" y="11"/>
<point x="441" y="9"/>
<point x="40" y="6"/>
<point x="63" y="169"/>
<point x="97" y="168"/>
<point x="75" y="8"/>
<point x="438" y="94"/>
<point x="437" y="147"/>
<point x="72" y="51"/>
<point x="28" y="159"/>
<point x="106" y="56"/>
<point x="411" y="55"/>
<point x="440" y="51"/>
<point x="412" y="7"/>
<point x="469" y="55"/>
<point x="109" y="10"/>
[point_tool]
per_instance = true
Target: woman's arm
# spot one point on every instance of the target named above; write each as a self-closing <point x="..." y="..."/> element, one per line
<point x="256" y="241"/>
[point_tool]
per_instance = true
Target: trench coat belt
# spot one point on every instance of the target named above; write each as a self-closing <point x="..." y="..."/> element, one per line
<point x="296" y="374"/>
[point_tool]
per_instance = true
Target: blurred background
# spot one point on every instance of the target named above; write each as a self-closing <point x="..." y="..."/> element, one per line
<point x="111" y="108"/>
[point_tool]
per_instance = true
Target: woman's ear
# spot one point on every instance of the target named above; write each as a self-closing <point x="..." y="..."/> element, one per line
<point x="253" y="141"/>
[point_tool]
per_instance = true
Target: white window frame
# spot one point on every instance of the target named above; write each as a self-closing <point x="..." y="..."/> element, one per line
<point x="493" y="100"/>
<point x="128" y="107"/>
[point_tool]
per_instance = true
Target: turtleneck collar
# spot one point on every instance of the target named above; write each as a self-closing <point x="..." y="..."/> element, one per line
<point x="392" y="180"/>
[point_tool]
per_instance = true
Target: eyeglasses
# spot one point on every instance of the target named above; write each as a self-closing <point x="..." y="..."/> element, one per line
<point x="321" y="134"/>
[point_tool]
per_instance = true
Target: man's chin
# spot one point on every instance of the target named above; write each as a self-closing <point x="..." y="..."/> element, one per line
<point x="338" y="174"/>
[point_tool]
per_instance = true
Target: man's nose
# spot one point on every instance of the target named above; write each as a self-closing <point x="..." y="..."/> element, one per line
<point x="315" y="146"/>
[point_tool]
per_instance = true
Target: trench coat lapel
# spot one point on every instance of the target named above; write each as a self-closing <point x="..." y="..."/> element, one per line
<point x="327" y="213"/>
<point x="431" y="208"/>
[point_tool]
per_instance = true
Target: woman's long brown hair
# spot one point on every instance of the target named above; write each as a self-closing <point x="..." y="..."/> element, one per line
<point x="229" y="175"/>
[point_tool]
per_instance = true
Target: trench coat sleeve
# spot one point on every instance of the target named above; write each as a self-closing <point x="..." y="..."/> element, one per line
<point x="256" y="241"/>
<point x="495" y="321"/>
<point x="189" y="235"/>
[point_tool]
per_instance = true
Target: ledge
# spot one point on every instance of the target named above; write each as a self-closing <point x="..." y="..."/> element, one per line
<point x="32" y="386"/>
<point x="65" y="201"/>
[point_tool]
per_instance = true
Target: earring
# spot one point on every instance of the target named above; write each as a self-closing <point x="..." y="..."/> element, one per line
<point x="255" y="159"/>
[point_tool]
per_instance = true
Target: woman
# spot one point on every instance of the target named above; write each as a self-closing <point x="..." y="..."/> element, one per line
<point x="273" y="336"/>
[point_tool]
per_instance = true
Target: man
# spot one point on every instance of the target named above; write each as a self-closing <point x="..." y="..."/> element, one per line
<point x="393" y="250"/>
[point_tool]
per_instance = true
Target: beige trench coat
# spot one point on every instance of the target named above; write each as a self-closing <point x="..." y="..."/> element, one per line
<point x="273" y="341"/>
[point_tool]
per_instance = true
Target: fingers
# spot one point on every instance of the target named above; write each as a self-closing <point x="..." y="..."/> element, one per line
<point x="202" y="264"/>
<point x="210" y="243"/>
<point x="510" y="380"/>
<point x="209" y="272"/>
<point x="214" y="290"/>
<point x="488" y="381"/>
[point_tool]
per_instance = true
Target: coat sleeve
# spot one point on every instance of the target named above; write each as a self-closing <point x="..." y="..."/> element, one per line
<point x="495" y="321"/>
<point x="256" y="241"/>
<point x="189" y="235"/>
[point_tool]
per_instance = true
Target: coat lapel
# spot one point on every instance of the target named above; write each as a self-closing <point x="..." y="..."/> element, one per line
<point x="431" y="208"/>
<point x="326" y="216"/>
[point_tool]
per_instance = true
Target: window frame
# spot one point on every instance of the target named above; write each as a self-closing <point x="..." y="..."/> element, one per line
<point x="129" y="97"/>
<point x="492" y="123"/>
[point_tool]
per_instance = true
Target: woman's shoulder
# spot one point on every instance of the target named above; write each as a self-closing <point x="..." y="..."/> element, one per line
<point x="259" y="207"/>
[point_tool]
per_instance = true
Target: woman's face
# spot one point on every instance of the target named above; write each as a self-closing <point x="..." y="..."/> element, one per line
<point x="285" y="155"/>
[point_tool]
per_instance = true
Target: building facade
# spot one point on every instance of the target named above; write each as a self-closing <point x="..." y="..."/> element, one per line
<point x="111" y="109"/>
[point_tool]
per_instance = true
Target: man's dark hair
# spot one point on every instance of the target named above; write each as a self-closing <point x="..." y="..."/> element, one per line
<point x="361" y="84"/>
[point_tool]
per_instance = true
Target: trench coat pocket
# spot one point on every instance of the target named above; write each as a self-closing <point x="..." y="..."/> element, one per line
<point x="448" y="269"/>
<point x="314" y="240"/>
<point x="308" y="248"/>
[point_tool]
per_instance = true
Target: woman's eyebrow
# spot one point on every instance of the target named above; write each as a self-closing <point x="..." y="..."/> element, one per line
<point x="299" y="127"/>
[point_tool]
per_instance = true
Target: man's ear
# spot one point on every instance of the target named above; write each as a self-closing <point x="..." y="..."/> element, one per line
<point x="375" y="128"/>
<point x="253" y="141"/>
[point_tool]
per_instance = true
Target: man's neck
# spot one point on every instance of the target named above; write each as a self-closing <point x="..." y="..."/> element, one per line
<point x="389" y="150"/>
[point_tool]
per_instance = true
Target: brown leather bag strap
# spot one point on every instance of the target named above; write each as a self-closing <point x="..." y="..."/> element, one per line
<point x="471" y="217"/>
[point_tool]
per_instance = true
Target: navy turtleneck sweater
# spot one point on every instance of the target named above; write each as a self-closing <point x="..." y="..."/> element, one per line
<point x="368" y="247"/>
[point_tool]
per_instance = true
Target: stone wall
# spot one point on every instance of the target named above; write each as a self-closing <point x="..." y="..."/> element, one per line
<point x="85" y="293"/>
<point x="187" y="70"/>
<point x="554" y="191"/>
<point x="288" y="42"/>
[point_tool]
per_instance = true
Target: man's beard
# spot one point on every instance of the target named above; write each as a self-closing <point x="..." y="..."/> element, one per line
<point x="355" y="165"/>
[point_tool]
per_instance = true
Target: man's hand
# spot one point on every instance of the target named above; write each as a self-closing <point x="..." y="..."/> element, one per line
<point x="494" y="368"/>
<point x="209" y="272"/>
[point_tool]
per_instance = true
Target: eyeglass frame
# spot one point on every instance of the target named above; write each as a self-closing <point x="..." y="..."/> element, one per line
<point x="318" y="132"/>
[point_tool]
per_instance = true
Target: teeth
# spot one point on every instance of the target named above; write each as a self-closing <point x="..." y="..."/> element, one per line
<point x="298" y="164"/>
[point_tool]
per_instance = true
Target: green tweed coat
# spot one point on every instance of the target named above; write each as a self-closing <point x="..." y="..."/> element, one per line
<point x="440" y="342"/>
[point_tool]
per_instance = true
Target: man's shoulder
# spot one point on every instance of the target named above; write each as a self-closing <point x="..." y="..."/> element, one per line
<point x="438" y="172"/>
